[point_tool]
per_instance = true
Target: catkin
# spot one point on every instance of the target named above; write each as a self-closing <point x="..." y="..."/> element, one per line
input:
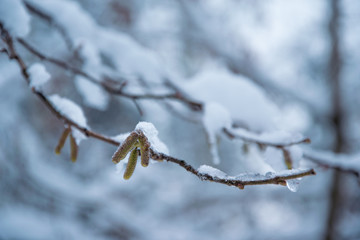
<point x="62" y="140"/>
<point x="131" y="164"/>
<point x="125" y="147"/>
<point x="287" y="159"/>
<point x="144" y="149"/>
<point x="73" y="148"/>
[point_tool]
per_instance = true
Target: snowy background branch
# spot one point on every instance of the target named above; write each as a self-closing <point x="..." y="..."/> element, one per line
<point x="236" y="88"/>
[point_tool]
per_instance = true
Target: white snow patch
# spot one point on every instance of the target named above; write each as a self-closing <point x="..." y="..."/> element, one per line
<point x="38" y="75"/>
<point x="69" y="109"/>
<point x="121" y="166"/>
<point x="14" y="17"/>
<point x="292" y="184"/>
<point x="152" y="134"/>
<point x="214" y="172"/>
<point x="79" y="136"/>
<point x="215" y="119"/>
<point x="245" y="101"/>
<point x="344" y="161"/>
<point x="93" y="95"/>
<point x="271" y="137"/>
<point x="124" y="52"/>
<point x="254" y="161"/>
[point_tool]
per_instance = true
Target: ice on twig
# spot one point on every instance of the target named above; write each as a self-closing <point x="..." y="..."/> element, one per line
<point x="38" y="76"/>
<point x="293" y="184"/>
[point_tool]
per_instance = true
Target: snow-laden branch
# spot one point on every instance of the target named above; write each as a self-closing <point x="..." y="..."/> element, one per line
<point x="273" y="140"/>
<point x="341" y="162"/>
<point x="41" y="14"/>
<point x="237" y="181"/>
<point x="116" y="90"/>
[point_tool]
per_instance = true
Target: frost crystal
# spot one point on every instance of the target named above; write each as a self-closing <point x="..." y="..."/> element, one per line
<point x="38" y="75"/>
<point x="152" y="134"/>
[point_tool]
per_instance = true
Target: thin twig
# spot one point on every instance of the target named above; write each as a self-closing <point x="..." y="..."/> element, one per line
<point x="48" y="18"/>
<point x="154" y="155"/>
<point x="174" y="96"/>
<point x="233" y="135"/>
<point x="335" y="166"/>
<point x="277" y="179"/>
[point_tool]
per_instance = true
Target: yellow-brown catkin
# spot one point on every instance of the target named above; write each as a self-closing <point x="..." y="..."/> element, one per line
<point x="125" y="147"/>
<point x="130" y="168"/>
<point x="287" y="159"/>
<point x="62" y="140"/>
<point x="73" y="148"/>
<point x="144" y="149"/>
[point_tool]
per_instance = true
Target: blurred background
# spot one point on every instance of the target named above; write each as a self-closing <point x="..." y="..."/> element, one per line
<point x="301" y="55"/>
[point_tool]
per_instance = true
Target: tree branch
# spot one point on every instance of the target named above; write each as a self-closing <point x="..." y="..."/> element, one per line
<point x="332" y="165"/>
<point x="231" y="134"/>
<point x="36" y="11"/>
<point x="196" y="106"/>
<point x="230" y="181"/>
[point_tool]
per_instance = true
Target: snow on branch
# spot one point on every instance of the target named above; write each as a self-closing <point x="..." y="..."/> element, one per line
<point x="110" y="88"/>
<point x="14" y="17"/>
<point x="38" y="75"/>
<point x="141" y="129"/>
<point x="215" y="175"/>
<point x="68" y="109"/>
<point x="341" y="162"/>
<point x="41" y="14"/>
<point x="275" y="139"/>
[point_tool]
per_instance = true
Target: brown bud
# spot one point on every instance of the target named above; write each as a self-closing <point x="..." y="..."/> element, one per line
<point x="73" y="148"/>
<point x="129" y="143"/>
<point x="240" y="186"/>
<point x="282" y="182"/>
<point x="130" y="168"/>
<point x="144" y="149"/>
<point x="62" y="140"/>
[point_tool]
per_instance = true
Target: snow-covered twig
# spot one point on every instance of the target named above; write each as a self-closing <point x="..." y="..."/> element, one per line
<point x="252" y="138"/>
<point x="36" y="11"/>
<point x="231" y="181"/>
<point x="338" y="162"/>
<point x="117" y="91"/>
